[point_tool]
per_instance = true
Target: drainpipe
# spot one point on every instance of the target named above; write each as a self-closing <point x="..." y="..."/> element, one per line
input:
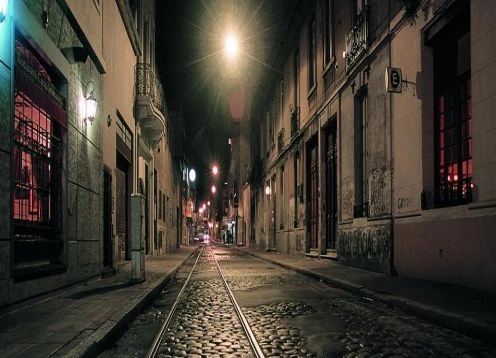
<point x="319" y="197"/>
<point x="392" y="270"/>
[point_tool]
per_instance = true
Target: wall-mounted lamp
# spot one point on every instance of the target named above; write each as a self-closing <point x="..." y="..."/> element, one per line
<point x="4" y="4"/>
<point x="91" y="103"/>
<point x="267" y="191"/>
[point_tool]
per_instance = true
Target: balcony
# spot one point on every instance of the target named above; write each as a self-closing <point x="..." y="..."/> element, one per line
<point x="150" y="110"/>
<point x="357" y="38"/>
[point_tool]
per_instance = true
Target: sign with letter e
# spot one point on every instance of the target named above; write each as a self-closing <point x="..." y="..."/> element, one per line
<point x="394" y="82"/>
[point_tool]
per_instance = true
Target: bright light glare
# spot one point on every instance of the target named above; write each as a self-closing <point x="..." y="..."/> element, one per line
<point x="231" y="46"/>
<point x="192" y="175"/>
<point x="215" y="170"/>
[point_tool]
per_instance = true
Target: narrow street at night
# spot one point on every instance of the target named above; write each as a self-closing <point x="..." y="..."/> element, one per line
<point x="247" y="178"/>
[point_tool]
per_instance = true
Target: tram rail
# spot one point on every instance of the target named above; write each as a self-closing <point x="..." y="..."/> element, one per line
<point x="158" y="340"/>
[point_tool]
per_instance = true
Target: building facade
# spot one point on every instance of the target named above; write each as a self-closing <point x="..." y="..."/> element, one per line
<point x="70" y="175"/>
<point x="390" y="175"/>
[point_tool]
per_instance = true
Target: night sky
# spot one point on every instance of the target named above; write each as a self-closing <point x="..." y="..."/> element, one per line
<point x="192" y="79"/>
<point x="195" y="71"/>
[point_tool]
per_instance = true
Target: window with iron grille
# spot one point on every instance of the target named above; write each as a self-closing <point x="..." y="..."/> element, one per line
<point x="38" y="131"/>
<point x="361" y="155"/>
<point x="453" y="112"/>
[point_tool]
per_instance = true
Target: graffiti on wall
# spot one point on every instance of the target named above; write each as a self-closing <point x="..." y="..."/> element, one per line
<point x="380" y="192"/>
<point x="347" y="199"/>
<point x="367" y="247"/>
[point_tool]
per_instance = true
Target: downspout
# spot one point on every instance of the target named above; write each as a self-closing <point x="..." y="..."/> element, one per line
<point x="319" y="197"/>
<point x="392" y="269"/>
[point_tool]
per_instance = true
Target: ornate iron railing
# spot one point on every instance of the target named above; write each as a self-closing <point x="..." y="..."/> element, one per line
<point x="357" y="38"/>
<point x="148" y="84"/>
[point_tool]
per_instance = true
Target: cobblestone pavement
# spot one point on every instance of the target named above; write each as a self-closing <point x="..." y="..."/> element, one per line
<point x="291" y="315"/>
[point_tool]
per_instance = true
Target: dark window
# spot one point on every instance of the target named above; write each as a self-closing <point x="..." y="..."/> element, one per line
<point x="361" y="155"/>
<point x="312" y="50"/>
<point x="296" y="73"/>
<point x="160" y="212"/>
<point x="328" y="32"/>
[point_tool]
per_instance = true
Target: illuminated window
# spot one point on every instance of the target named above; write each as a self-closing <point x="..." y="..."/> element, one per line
<point x="38" y="120"/>
<point x="39" y="128"/>
<point x="453" y="110"/>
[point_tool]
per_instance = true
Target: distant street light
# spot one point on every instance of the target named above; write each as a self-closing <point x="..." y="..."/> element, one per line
<point x="192" y="175"/>
<point x="214" y="189"/>
<point x="215" y="170"/>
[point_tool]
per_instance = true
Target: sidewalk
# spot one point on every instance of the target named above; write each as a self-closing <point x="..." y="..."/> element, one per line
<point x="462" y="309"/>
<point x="78" y="321"/>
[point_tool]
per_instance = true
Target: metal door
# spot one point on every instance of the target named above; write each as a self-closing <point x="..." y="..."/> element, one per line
<point x="312" y="215"/>
<point x="331" y="187"/>
<point x="272" y="232"/>
<point x="121" y="213"/>
<point x="107" y="218"/>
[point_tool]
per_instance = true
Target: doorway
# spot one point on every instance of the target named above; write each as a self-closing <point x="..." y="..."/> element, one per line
<point x="312" y="195"/>
<point x="331" y="186"/>
<point x="122" y="197"/>
<point x="107" y="218"/>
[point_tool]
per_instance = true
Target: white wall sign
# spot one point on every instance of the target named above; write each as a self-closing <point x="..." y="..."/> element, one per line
<point x="394" y="81"/>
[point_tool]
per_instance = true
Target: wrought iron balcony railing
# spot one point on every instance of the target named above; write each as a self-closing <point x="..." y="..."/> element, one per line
<point x="148" y="84"/>
<point x="295" y="121"/>
<point x="149" y="107"/>
<point x="357" y="38"/>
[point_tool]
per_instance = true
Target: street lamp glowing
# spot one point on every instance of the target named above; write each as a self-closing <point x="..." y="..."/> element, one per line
<point x="192" y="175"/>
<point x="215" y="170"/>
<point x="231" y="46"/>
<point x="214" y="189"/>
